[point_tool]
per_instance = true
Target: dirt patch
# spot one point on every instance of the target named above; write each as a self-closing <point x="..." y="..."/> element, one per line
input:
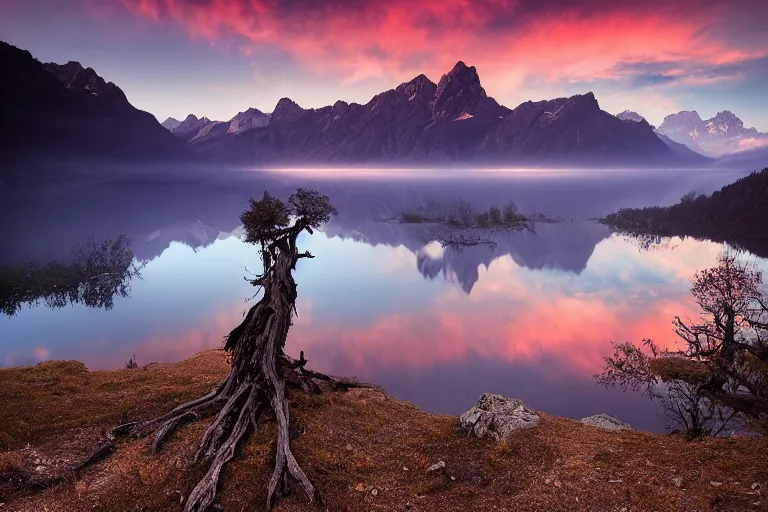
<point x="365" y="450"/>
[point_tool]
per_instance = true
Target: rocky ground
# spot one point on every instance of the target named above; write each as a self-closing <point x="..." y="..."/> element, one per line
<point x="365" y="450"/>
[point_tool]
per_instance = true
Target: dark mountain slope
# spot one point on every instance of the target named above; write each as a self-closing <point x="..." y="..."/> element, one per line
<point x="576" y="128"/>
<point x="453" y="121"/>
<point x="66" y="111"/>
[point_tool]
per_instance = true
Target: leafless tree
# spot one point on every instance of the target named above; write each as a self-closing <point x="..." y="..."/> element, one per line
<point x="636" y="368"/>
<point x="723" y="355"/>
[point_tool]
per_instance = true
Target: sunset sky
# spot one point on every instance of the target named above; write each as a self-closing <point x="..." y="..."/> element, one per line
<point x="217" y="57"/>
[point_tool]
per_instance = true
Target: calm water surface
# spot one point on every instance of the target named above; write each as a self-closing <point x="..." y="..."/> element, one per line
<point x="531" y="318"/>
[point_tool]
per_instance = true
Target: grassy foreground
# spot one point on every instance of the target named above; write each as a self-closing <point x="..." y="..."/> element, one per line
<point x="365" y="450"/>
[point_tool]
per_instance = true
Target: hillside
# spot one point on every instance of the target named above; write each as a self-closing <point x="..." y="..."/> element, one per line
<point x="736" y="213"/>
<point x="52" y="111"/>
<point x="364" y="449"/>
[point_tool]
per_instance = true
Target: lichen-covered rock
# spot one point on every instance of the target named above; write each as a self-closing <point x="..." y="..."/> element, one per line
<point x="606" y="421"/>
<point x="498" y="416"/>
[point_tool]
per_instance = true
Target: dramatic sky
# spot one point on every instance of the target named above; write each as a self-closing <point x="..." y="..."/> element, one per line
<point x="218" y="57"/>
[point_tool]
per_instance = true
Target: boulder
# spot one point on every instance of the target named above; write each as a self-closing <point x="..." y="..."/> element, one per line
<point x="606" y="421"/>
<point x="436" y="467"/>
<point x="498" y="416"/>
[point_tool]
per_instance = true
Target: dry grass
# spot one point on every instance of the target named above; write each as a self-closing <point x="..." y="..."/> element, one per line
<point x="365" y="450"/>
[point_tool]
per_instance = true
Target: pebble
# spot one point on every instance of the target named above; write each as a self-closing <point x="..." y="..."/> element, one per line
<point x="435" y="467"/>
<point x="617" y="481"/>
<point x="678" y="481"/>
<point x="360" y="487"/>
<point x="374" y="491"/>
<point x="405" y="468"/>
<point x="349" y="447"/>
<point x="716" y="484"/>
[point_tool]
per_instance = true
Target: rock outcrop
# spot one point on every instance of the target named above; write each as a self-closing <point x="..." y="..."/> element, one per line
<point x="606" y="421"/>
<point x="498" y="416"/>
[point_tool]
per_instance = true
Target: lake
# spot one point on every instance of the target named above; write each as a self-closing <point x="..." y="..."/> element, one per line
<point x="531" y="317"/>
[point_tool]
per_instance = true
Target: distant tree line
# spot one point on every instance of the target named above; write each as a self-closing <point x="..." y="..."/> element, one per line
<point x="737" y="213"/>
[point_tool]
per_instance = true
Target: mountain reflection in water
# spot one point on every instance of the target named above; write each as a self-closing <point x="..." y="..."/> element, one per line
<point x="531" y="318"/>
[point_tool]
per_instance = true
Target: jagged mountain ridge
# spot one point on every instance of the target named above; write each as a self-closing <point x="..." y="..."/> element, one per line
<point x="56" y="112"/>
<point x="681" y="150"/>
<point x="722" y="134"/>
<point x="417" y="122"/>
<point x="194" y="131"/>
<point x="452" y="121"/>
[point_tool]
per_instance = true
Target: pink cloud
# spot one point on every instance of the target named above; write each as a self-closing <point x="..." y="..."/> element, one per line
<point x="752" y="143"/>
<point x="399" y="38"/>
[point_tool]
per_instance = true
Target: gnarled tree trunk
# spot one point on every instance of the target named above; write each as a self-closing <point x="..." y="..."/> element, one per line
<point x="254" y="385"/>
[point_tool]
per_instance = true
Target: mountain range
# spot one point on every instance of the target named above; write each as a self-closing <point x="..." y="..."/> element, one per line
<point x="722" y="134"/>
<point x="420" y="121"/>
<point x="52" y="111"/>
<point x="67" y="111"/>
<point x="723" y="137"/>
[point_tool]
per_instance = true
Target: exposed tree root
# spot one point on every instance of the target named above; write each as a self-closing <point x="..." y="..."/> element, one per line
<point x="238" y="415"/>
<point x="256" y="383"/>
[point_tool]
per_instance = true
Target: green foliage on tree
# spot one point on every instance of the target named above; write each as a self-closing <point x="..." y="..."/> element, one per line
<point x="494" y="216"/>
<point x="462" y="216"/>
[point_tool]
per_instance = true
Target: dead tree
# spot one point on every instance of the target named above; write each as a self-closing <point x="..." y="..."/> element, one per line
<point x="256" y="382"/>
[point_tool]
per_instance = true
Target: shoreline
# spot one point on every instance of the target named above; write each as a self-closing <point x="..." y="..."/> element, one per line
<point x="363" y="448"/>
